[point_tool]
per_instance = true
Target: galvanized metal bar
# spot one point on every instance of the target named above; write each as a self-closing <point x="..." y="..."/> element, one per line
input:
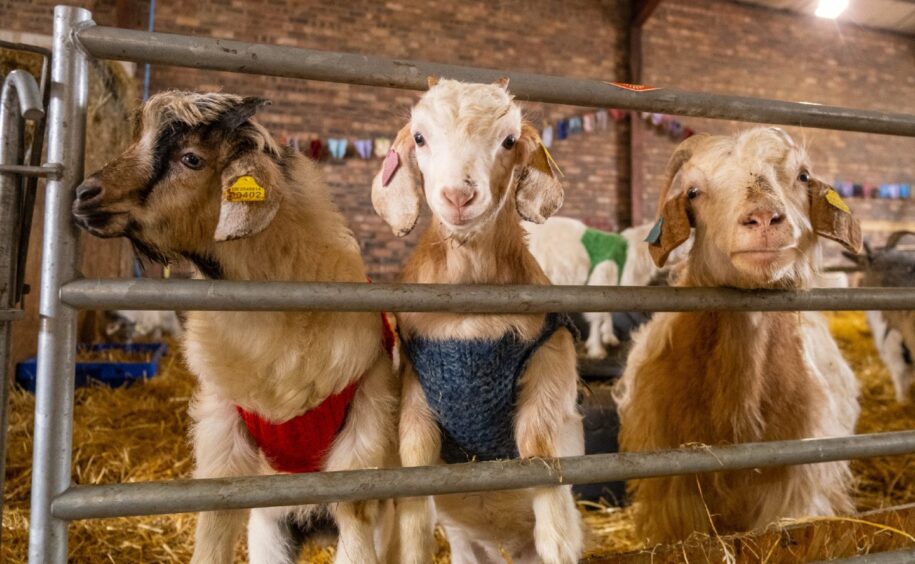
<point x="176" y="496"/>
<point x="57" y="336"/>
<point x="15" y="46"/>
<point x="47" y="171"/>
<point x="11" y="314"/>
<point x="256" y="58"/>
<point x="904" y="556"/>
<point x="20" y="99"/>
<point x="478" y="298"/>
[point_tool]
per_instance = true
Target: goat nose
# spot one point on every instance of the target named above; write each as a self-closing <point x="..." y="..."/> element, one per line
<point x="88" y="190"/>
<point x="459" y="197"/>
<point x="761" y="218"/>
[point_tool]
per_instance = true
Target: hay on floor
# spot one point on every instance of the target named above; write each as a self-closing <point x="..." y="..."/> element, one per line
<point x="140" y="433"/>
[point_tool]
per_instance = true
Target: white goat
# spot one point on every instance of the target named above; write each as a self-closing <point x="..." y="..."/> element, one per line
<point x="279" y="392"/>
<point x="129" y="325"/>
<point x="728" y="377"/>
<point x="480" y="386"/>
<point x="894" y="337"/>
<point x="571" y="253"/>
<point x="893" y="331"/>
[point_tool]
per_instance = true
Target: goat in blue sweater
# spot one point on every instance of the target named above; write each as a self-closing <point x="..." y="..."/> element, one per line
<point x="481" y="386"/>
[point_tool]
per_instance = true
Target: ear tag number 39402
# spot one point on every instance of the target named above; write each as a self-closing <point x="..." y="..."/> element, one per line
<point x="245" y="189"/>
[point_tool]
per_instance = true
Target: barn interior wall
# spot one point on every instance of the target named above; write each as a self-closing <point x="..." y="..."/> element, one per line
<point x="709" y="45"/>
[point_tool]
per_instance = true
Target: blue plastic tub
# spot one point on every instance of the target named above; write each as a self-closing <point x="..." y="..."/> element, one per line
<point x="113" y="374"/>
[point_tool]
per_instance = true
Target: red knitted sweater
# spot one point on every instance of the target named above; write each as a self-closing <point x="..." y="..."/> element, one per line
<point x="300" y="444"/>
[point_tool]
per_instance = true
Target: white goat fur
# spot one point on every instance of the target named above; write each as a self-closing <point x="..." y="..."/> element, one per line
<point x="893" y="332"/>
<point x="556" y="244"/>
<point x="464" y="126"/>
<point x="715" y="377"/>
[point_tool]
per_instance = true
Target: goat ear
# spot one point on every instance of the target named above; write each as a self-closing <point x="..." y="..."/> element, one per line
<point x="432" y="80"/>
<point x="241" y="112"/>
<point x="502" y="82"/>
<point x="538" y="192"/>
<point x="831" y="217"/>
<point x="674" y="223"/>
<point x="250" y="198"/>
<point x="397" y="186"/>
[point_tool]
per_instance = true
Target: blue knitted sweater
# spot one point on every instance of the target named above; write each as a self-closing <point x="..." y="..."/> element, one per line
<point x="472" y="385"/>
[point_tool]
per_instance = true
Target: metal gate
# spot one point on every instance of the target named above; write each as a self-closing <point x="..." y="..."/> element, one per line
<point x="55" y="501"/>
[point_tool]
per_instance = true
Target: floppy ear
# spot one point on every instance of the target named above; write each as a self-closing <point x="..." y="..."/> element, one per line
<point x="674" y="223"/>
<point x="831" y="217"/>
<point x="396" y="188"/>
<point x="538" y="192"/>
<point x="250" y="198"/>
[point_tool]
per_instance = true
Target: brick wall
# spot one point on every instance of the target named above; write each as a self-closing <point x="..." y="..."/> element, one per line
<point x="577" y="38"/>
<point x="723" y="47"/>
<point x="711" y="45"/>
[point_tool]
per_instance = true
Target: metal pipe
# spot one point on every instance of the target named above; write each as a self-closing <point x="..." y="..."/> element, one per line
<point x="11" y="314"/>
<point x="53" y="433"/>
<point x="49" y="171"/>
<point x="20" y="99"/>
<point x="176" y="496"/>
<point x="256" y="58"/>
<point x="905" y="556"/>
<point x="477" y="298"/>
<point x="31" y="183"/>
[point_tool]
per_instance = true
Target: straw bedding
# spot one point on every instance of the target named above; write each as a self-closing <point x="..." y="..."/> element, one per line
<point x="140" y="433"/>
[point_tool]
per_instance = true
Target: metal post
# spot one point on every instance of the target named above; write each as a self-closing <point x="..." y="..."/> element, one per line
<point x="57" y="337"/>
<point x="20" y="99"/>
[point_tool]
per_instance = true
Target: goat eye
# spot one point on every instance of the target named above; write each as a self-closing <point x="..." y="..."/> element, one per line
<point x="419" y="139"/>
<point x="509" y="142"/>
<point x="804" y="176"/>
<point x="191" y="161"/>
<point x="692" y="193"/>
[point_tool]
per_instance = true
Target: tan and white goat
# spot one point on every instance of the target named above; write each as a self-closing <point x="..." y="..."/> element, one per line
<point x="728" y="377"/>
<point x="278" y="391"/>
<point x="480" y="167"/>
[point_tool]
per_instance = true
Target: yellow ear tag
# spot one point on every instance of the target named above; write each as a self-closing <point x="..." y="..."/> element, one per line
<point x="835" y="200"/>
<point x="543" y="161"/>
<point x="245" y="189"/>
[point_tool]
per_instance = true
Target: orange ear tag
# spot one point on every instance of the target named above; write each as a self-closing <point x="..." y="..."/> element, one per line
<point x="245" y="189"/>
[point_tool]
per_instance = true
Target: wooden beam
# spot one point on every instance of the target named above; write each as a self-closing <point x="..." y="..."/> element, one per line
<point x="642" y="10"/>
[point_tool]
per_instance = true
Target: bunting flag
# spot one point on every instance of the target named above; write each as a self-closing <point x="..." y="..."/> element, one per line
<point x="363" y="148"/>
<point x="575" y="125"/>
<point x="316" y="150"/>
<point x="886" y="191"/>
<point x="601" y="118"/>
<point x="546" y="136"/>
<point x="382" y="145"/>
<point x="337" y="148"/>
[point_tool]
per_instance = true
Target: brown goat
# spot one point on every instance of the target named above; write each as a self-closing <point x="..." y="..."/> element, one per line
<point x="728" y="377"/>
<point x="279" y="391"/>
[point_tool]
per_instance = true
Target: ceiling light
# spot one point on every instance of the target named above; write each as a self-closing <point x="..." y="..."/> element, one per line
<point x="831" y="8"/>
